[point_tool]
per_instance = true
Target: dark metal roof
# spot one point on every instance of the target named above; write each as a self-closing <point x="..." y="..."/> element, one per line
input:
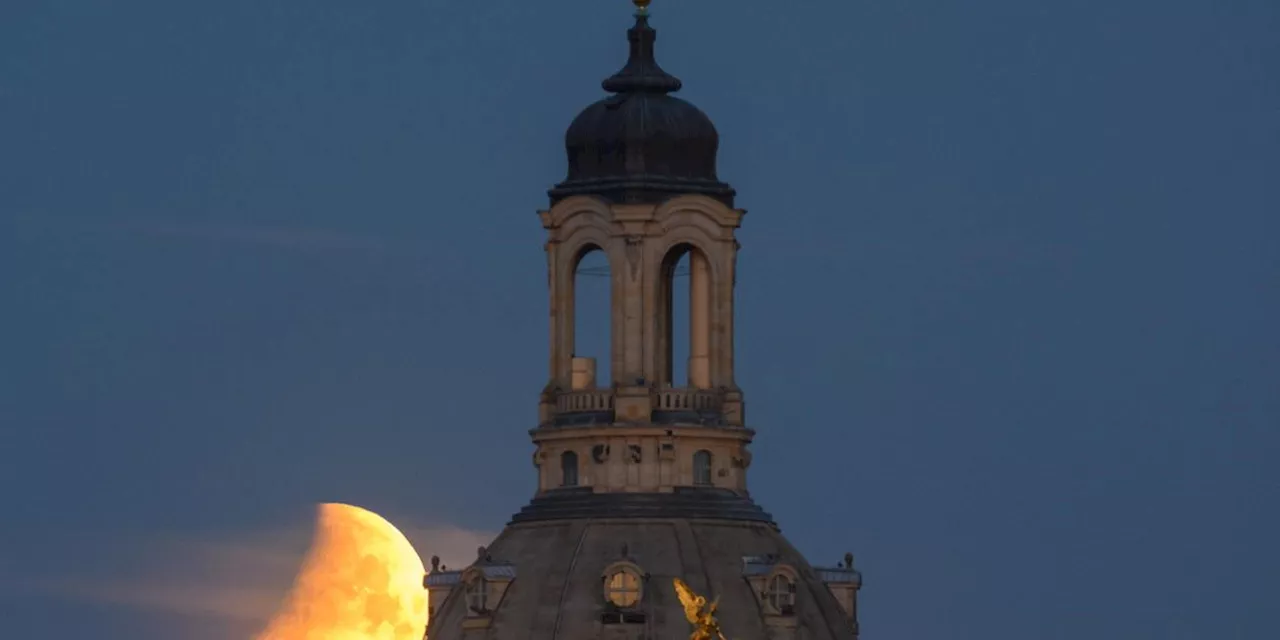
<point x="641" y="144"/>
<point x="758" y="565"/>
<point x="443" y="578"/>
<point x="501" y="571"/>
<point x="764" y="565"/>
<point x="839" y="575"/>
<point x="685" y="502"/>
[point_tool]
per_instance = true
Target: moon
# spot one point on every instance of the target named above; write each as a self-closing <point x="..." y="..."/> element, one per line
<point x="361" y="580"/>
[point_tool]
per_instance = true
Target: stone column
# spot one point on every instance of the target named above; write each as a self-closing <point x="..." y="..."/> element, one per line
<point x="657" y="292"/>
<point x="734" y="408"/>
<point x="724" y="316"/>
<point x="565" y="314"/>
<point x="699" y="320"/>
<point x="553" y="290"/>
<point x="629" y="300"/>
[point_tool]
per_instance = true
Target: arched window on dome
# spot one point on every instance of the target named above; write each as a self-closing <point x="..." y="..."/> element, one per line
<point x="702" y="467"/>
<point x="781" y="594"/>
<point x="623" y="585"/>
<point x="477" y="595"/>
<point x="622" y="589"/>
<point x="569" y="469"/>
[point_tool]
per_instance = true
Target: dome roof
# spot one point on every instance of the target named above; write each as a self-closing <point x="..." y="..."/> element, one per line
<point x="550" y="581"/>
<point x="642" y="144"/>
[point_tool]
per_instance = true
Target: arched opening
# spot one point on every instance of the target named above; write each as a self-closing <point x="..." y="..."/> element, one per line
<point x="623" y="594"/>
<point x="702" y="467"/>
<point x="782" y="594"/>
<point x="678" y="320"/>
<point x="477" y="595"/>
<point x="685" y="315"/>
<point x="568" y="469"/>
<point x="592" y="318"/>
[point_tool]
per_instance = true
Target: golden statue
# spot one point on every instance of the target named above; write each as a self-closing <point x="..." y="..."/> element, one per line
<point x="701" y="615"/>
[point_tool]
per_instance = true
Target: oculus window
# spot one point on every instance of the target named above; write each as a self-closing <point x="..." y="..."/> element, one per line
<point x="622" y="588"/>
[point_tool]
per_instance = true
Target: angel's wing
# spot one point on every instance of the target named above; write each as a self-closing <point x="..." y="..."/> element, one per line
<point x="689" y="599"/>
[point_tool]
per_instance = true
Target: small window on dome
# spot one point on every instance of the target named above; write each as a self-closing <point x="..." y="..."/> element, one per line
<point x="781" y="594"/>
<point x="623" y="593"/>
<point x="477" y="596"/>
<point x="569" y="469"/>
<point x="702" y="467"/>
<point x="623" y="589"/>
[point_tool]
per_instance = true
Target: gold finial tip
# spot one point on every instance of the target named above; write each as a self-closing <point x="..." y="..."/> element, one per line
<point x="642" y="5"/>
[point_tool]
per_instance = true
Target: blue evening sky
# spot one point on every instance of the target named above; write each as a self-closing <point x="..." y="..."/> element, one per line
<point x="1007" y="307"/>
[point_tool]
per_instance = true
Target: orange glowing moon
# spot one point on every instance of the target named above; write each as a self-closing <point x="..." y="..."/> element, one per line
<point x="361" y="580"/>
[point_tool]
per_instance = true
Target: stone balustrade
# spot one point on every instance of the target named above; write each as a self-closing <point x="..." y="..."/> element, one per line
<point x="584" y="401"/>
<point x="666" y="405"/>
<point x="697" y="400"/>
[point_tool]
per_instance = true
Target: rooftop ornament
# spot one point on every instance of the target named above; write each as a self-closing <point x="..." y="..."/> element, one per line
<point x="701" y="616"/>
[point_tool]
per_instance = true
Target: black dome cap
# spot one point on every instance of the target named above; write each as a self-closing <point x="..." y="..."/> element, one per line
<point x="642" y="145"/>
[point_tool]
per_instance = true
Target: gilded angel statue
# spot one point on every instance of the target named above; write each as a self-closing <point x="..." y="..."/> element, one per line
<point x="702" y="616"/>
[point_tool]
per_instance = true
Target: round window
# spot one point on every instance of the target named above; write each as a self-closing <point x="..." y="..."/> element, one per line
<point x="782" y="594"/>
<point x="623" y="589"/>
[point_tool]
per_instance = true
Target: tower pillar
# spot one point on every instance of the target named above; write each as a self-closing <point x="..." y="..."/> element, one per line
<point x="699" y="321"/>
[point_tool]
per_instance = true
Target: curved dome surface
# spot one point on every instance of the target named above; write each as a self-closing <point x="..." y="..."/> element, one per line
<point x="557" y="570"/>
<point x="641" y="144"/>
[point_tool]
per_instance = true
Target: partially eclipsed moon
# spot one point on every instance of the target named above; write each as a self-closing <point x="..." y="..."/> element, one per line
<point x="361" y="580"/>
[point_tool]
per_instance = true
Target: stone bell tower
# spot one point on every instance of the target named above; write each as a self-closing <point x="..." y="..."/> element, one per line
<point x="642" y="189"/>
<point x="643" y="411"/>
<point x="642" y="480"/>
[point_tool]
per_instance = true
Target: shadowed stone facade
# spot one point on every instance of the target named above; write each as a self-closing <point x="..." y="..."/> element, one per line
<point x="561" y="570"/>
<point x="643" y="480"/>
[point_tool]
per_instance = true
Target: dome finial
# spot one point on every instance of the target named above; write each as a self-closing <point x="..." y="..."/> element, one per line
<point x="641" y="72"/>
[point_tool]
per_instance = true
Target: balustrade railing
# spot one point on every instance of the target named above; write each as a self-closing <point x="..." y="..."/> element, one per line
<point x="584" y="401"/>
<point x="699" y="400"/>
<point x="667" y="400"/>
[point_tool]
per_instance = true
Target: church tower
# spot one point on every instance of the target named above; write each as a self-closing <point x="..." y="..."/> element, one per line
<point x="642" y="480"/>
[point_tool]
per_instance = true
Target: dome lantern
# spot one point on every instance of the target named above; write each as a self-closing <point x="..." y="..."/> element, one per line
<point x="642" y="477"/>
<point x="641" y="144"/>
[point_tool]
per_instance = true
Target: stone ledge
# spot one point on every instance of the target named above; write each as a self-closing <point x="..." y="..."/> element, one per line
<point x="683" y="502"/>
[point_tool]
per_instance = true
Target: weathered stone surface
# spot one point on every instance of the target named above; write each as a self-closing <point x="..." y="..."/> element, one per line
<point x="558" y="592"/>
<point x="643" y="479"/>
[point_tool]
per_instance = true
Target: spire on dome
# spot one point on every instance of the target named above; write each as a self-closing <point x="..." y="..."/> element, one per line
<point x="641" y="144"/>
<point x="641" y="72"/>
